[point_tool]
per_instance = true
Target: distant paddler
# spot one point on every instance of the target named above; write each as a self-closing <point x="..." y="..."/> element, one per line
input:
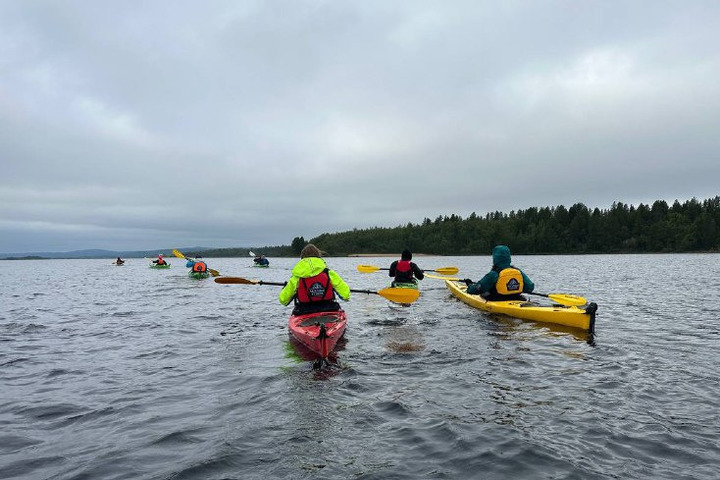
<point x="261" y="261"/>
<point x="198" y="268"/>
<point x="405" y="272"/>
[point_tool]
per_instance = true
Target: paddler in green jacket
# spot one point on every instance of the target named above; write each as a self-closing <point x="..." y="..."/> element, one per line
<point x="313" y="285"/>
<point x="504" y="281"/>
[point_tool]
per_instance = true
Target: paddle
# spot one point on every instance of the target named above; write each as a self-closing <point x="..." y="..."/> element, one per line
<point x="442" y="270"/>
<point x="179" y="254"/>
<point x="561" y="298"/>
<point x="397" y="295"/>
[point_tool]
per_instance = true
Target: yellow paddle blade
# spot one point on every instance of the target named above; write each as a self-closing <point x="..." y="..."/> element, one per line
<point x="399" y="295"/>
<point x="446" y="270"/>
<point x="214" y="273"/>
<point x="441" y="278"/>
<point x="567" y="299"/>
<point x="367" y="268"/>
<point x="236" y="280"/>
<point x="178" y="254"/>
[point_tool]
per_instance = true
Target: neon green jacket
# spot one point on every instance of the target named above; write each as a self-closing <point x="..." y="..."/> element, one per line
<point x="309" y="267"/>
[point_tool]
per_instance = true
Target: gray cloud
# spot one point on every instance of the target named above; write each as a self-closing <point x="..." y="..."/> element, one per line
<point x="247" y="123"/>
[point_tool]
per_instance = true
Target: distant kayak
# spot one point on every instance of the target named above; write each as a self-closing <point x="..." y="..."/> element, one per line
<point x="155" y="265"/>
<point x="198" y="275"/>
<point x="570" y="316"/>
<point x="319" y="332"/>
<point x="257" y="265"/>
<point x="118" y="264"/>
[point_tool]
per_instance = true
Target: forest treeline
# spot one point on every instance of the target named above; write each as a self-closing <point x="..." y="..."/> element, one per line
<point x="692" y="226"/>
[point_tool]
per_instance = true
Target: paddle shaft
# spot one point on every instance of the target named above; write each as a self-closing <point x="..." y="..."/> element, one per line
<point x="282" y="284"/>
<point x="442" y="270"/>
<point x="539" y="294"/>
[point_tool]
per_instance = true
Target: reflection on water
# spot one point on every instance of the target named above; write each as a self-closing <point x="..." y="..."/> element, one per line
<point x="141" y="373"/>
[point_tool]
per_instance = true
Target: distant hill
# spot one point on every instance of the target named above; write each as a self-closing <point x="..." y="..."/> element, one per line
<point x="98" y="253"/>
<point x="276" y="251"/>
<point x="691" y="226"/>
<point x="28" y="257"/>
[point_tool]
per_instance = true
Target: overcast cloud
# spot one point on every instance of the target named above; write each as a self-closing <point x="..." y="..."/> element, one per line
<point x="134" y="125"/>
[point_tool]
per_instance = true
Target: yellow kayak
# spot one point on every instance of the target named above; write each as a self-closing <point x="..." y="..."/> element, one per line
<point x="570" y="316"/>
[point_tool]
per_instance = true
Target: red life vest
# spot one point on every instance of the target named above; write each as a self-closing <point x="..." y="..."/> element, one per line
<point x="403" y="271"/>
<point x="160" y="261"/>
<point x="199" y="267"/>
<point x="315" y="289"/>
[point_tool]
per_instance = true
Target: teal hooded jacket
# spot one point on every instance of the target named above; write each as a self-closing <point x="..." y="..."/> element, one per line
<point x="501" y="260"/>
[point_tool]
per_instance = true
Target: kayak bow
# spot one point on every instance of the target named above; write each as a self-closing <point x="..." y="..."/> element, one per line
<point x="320" y="331"/>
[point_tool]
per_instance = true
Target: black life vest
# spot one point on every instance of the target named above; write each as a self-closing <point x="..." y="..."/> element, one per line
<point x="315" y="289"/>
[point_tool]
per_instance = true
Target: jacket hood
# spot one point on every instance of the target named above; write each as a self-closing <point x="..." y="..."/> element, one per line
<point x="501" y="256"/>
<point x="309" y="267"/>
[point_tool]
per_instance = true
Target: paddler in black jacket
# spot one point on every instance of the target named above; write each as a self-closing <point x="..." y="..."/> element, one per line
<point x="404" y="270"/>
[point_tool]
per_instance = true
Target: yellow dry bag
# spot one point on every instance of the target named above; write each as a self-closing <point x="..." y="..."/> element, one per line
<point x="509" y="282"/>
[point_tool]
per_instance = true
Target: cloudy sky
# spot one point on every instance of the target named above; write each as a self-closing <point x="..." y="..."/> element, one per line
<point x="140" y="125"/>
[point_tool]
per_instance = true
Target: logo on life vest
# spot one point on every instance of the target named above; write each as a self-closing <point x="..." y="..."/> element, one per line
<point x="512" y="285"/>
<point x="316" y="290"/>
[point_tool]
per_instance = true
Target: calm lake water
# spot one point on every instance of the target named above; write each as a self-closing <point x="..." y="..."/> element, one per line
<point x="133" y="373"/>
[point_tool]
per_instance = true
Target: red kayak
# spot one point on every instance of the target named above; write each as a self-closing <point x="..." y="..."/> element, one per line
<point x="320" y="331"/>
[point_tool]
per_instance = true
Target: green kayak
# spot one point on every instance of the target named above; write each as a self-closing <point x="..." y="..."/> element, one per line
<point x="198" y="275"/>
<point x="155" y="265"/>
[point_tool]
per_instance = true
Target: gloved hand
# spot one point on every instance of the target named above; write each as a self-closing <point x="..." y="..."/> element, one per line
<point x="468" y="282"/>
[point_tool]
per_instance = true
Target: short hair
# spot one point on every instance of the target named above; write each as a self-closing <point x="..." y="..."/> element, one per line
<point x="310" y="250"/>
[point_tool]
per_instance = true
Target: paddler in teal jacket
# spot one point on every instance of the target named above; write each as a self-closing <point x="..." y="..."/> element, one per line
<point x="504" y="281"/>
<point x="313" y="285"/>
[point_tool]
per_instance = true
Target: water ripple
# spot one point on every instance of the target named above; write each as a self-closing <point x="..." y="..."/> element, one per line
<point x="140" y="374"/>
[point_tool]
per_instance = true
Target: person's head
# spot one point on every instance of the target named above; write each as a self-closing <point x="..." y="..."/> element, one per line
<point x="310" y="250"/>
<point x="159" y="255"/>
<point x="501" y="256"/>
<point x="406" y="255"/>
